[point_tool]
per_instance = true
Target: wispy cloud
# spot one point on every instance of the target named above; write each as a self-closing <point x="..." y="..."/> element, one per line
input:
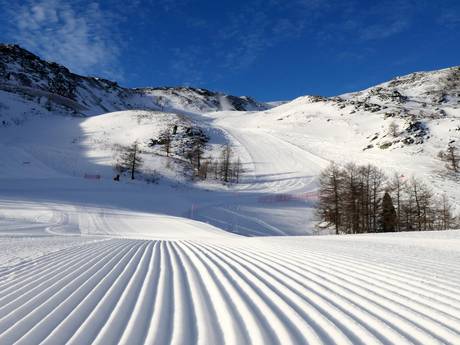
<point x="364" y="22"/>
<point x="168" y="5"/>
<point x="74" y="34"/>
<point x="261" y="25"/>
<point x="450" y="19"/>
<point x="386" y="19"/>
<point x="384" y="29"/>
<point x="257" y="27"/>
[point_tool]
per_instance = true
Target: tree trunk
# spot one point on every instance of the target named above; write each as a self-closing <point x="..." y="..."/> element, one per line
<point x="133" y="164"/>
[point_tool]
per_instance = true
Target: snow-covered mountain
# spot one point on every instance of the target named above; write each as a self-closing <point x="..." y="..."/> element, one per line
<point x="418" y="104"/>
<point x="86" y="259"/>
<point x="401" y="126"/>
<point x="41" y="86"/>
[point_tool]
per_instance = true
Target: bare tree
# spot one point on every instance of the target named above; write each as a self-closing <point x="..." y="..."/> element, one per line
<point x="225" y="165"/>
<point x="446" y="218"/>
<point x="362" y="192"/>
<point x="377" y="180"/>
<point x="215" y="168"/>
<point x="130" y="160"/>
<point x="422" y="196"/>
<point x="194" y="153"/>
<point x="396" y="186"/>
<point x="204" y="169"/>
<point x="165" y="139"/>
<point x="357" y="199"/>
<point x="329" y="205"/>
<point x="237" y="169"/>
<point x="352" y="188"/>
<point x="452" y="158"/>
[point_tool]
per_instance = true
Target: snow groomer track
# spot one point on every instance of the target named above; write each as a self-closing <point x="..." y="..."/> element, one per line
<point x="342" y="290"/>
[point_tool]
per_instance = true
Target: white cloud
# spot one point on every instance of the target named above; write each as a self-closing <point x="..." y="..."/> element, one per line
<point x="384" y="30"/>
<point x="253" y="30"/>
<point x="74" y="34"/>
<point x="450" y="19"/>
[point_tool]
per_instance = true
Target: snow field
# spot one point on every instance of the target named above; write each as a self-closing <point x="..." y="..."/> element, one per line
<point x="95" y="262"/>
<point x="238" y="291"/>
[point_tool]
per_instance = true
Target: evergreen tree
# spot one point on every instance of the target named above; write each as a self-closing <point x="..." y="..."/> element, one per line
<point x="388" y="217"/>
<point x="357" y="199"/>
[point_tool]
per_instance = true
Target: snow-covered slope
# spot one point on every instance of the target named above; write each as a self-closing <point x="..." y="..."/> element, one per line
<point x="424" y="109"/>
<point x="44" y="149"/>
<point x="432" y="89"/>
<point x="283" y="149"/>
<point x="49" y="87"/>
<point x="375" y="289"/>
<point x="88" y="260"/>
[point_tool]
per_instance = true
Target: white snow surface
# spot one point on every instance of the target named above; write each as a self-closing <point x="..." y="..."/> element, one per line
<point x="93" y="261"/>
<point x="213" y="288"/>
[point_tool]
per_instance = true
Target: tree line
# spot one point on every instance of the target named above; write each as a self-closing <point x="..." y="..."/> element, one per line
<point x="362" y="199"/>
<point x="226" y="167"/>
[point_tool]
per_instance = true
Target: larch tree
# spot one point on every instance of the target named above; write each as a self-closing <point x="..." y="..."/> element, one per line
<point x="329" y="204"/>
<point x="445" y="209"/>
<point x="130" y="160"/>
<point x="195" y="152"/>
<point x="225" y="164"/>
<point x="237" y="169"/>
<point x="396" y="186"/>
<point x="453" y="158"/>
<point x="359" y="199"/>
<point x="165" y="139"/>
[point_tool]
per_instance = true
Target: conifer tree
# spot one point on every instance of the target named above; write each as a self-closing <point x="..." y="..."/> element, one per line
<point x="388" y="217"/>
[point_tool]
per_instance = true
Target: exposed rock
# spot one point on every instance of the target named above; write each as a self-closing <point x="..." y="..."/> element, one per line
<point x="25" y="74"/>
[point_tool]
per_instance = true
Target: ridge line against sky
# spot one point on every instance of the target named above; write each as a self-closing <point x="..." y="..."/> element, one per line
<point x="270" y="50"/>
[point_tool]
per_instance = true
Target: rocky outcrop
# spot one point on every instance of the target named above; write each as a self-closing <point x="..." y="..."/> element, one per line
<point x="42" y="82"/>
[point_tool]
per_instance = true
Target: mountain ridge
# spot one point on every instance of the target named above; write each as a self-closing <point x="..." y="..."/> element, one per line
<point x="51" y="85"/>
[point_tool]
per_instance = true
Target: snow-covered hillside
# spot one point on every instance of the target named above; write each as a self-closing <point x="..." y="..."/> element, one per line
<point x="399" y="126"/>
<point x="45" y="149"/>
<point x="177" y="282"/>
<point x="45" y="87"/>
<point x="85" y="259"/>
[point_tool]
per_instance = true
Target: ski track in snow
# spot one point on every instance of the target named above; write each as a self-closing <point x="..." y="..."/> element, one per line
<point x="126" y="291"/>
<point x="110" y="276"/>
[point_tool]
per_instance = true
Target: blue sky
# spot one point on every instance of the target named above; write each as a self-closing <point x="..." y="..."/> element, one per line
<point x="272" y="49"/>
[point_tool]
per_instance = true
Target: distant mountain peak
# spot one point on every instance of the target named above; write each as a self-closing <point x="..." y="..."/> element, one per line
<point x="53" y="86"/>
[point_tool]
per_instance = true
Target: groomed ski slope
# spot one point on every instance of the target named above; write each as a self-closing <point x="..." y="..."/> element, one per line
<point x="86" y="263"/>
<point x="382" y="289"/>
